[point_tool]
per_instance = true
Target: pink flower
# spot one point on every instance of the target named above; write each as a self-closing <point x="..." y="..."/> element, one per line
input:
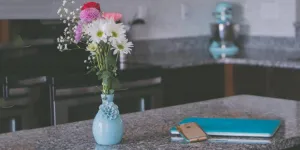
<point x="114" y="15"/>
<point x="78" y="32"/>
<point x="89" y="14"/>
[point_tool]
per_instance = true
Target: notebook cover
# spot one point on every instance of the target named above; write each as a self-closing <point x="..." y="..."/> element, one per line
<point x="179" y="139"/>
<point x="234" y="126"/>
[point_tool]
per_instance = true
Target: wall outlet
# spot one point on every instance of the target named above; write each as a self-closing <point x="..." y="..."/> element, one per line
<point x="142" y="12"/>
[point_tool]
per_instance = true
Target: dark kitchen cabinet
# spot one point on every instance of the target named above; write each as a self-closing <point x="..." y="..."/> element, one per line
<point x="84" y="107"/>
<point x="294" y="148"/>
<point x="267" y="81"/>
<point x="284" y="83"/>
<point x="252" y="80"/>
<point x="192" y="84"/>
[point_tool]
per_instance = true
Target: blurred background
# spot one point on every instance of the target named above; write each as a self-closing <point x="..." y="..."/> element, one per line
<point x="171" y="63"/>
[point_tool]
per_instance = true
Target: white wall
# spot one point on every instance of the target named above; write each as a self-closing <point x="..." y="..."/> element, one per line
<point x="270" y="17"/>
<point x="298" y="10"/>
<point x="262" y="17"/>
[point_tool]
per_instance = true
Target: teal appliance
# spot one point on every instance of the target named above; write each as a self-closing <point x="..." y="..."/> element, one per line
<point x="243" y="127"/>
<point x="224" y="32"/>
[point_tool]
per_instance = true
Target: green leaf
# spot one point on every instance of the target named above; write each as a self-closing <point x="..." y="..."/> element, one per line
<point x="111" y="91"/>
<point x="99" y="73"/>
<point x="91" y="70"/>
<point x="111" y="60"/>
<point x="116" y="83"/>
<point x="115" y="71"/>
<point x="18" y="41"/>
<point x="106" y="76"/>
<point x="99" y="77"/>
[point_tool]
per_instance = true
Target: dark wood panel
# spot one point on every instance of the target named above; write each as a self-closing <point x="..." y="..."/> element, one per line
<point x="265" y="81"/>
<point x="294" y="148"/>
<point x="229" y="80"/>
<point x="4" y="31"/>
<point x="193" y="84"/>
<point x="250" y="80"/>
<point x="285" y="83"/>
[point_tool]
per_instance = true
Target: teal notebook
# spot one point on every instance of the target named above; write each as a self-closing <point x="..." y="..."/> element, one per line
<point x="234" y="126"/>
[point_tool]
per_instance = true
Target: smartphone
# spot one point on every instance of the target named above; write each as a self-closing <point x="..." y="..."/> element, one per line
<point x="192" y="132"/>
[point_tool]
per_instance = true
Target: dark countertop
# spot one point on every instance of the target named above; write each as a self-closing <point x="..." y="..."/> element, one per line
<point x="27" y="43"/>
<point x="150" y="129"/>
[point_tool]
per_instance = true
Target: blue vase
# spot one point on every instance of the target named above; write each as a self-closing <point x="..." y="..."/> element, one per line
<point x="107" y="125"/>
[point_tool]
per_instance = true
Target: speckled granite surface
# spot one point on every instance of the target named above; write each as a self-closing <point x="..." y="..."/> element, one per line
<point x="190" y="51"/>
<point x="197" y="57"/>
<point x="237" y="61"/>
<point x="202" y="42"/>
<point x="150" y="129"/>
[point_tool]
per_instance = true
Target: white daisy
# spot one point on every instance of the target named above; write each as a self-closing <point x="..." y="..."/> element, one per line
<point x="123" y="47"/>
<point x="115" y="31"/>
<point x="92" y="47"/>
<point x="96" y="30"/>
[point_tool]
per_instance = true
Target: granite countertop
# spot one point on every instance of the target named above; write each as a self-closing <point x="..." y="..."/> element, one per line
<point x="198" y="57"/>
<point x="289" y="64"/>
<point x="150" y="129"/>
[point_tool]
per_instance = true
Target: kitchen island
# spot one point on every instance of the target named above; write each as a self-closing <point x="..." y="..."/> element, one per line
<point x="150" y="129"/>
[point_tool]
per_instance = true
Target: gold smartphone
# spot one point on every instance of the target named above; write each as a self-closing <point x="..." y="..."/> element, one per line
<point x="192" y="132"/>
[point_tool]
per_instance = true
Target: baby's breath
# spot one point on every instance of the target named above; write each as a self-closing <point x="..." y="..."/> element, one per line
<point x="64" y="2"/>
<point x="66" y="10"/>
<point x="68" y="17"/>
<point x="58" y="11"/>
<point x="104" y="38"/>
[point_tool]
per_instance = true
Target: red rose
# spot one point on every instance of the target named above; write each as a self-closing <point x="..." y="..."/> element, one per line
<point x="91" y="5"/>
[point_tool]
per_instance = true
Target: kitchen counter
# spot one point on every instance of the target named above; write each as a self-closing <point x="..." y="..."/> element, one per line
<point x="150" y="129"/>
<point x="254" y="57"/>
<point x="284" y="58"/>
<point x="240" y="61"/>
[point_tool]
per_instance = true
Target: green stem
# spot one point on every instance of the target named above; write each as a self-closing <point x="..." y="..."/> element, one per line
<point x="106" y="87"/>
<point x="107" y="51"/>
<point x="103" y="58"/>
<point x="117" y="59"/>
<point x="103" y="61"/>
<point x="75" y="49"/>
<point x="98" y="61"/>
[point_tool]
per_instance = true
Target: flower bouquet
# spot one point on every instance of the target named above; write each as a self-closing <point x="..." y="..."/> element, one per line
<point x="97" y="32"/>
<point x="90" y="29"/>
